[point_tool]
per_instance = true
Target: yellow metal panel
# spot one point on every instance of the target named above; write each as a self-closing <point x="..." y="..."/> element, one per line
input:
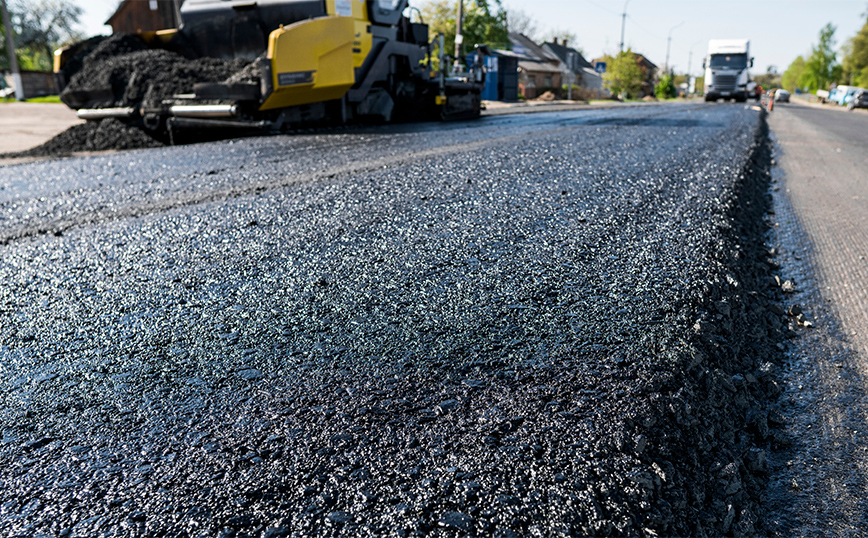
<point x="363" y="43"/>
<point x="59" y="59"/>
<point x="311" y="61"/>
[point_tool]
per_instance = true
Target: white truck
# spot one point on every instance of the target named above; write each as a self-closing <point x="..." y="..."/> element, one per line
<point x="727" y="74"/>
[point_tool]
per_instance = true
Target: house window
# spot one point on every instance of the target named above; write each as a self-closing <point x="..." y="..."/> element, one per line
<point x="548" y="81"/>
<point x="154" y="6"/>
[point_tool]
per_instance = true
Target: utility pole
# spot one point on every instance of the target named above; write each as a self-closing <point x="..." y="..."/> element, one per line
<point x="690" y="58"/>
<point x="691" y="81"/>
<point x="459" y="38"/>
<point x="10" y="47"/>
<point x="668" y="44"/>
<point x="623" y="22"/>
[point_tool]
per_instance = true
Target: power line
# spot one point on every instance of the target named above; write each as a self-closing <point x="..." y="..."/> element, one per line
<point x="649" y="32"/>
<point x="604" y="8"/>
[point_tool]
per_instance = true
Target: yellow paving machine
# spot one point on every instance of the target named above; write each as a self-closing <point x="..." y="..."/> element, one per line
<point x="309" y="62"/>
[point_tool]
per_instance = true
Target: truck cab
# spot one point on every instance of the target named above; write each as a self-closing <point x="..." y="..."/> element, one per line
<point x="727" y="70"/>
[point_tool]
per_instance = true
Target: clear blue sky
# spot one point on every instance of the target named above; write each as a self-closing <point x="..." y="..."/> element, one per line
<point x="779" y="30"/>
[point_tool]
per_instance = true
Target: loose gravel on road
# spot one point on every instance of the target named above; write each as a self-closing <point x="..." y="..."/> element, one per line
<point x="559" y="324"/>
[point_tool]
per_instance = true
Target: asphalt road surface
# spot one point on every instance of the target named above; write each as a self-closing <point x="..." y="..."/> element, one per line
<point x="822" y="225"/>
<point x="554" y="324"/>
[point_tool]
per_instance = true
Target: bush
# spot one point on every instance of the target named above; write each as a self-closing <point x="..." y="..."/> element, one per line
<point x="579" y="93"/>
<point x="665" y="88"/>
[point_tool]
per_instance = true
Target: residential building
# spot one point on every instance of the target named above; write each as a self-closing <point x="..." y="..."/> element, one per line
<point x="538" y="71"/>
<point x="34" y="83"/>
<point x="649" y="73"/>
<point x="134" y="16"/>
<point x="575" y="68"/>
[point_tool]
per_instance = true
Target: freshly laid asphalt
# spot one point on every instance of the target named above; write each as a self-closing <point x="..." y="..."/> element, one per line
<point x="554" y="324"/>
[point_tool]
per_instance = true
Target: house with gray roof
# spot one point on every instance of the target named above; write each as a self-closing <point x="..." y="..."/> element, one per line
<point x="576" y="70"/>
<point x="538" y="69"/>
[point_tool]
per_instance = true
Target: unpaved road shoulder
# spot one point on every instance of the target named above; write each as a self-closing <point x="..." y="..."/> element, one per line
<point x="26" y="125"/>
<point x="822" y="223"/>
<point x="825" y="164"/>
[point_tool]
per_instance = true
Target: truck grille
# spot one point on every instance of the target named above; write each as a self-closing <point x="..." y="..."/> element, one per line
<point x="724" y="83"/>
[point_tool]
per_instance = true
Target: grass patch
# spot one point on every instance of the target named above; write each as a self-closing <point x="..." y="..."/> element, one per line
<point x="46" y="99"/>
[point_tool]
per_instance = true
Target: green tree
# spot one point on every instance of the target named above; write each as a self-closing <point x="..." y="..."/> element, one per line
<point x="48" y="24"/>
<point x="855" y="58"/>
<point x="485" y="22"/>
<point x="484" y="25"/>
<point x="40" y="27"/>
<point x="623" y="76"/>
<point x="665" y="88"/>
<point x="520" y="22"/>
<point x="820" y="66"/>
<point x="793" y="76"/>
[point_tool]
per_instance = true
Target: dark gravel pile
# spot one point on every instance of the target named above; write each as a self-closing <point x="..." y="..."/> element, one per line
<point x="108" y="134"/>
<point x="136" y="74"/>
<point x="73" y="65"/>
<point x="440" y="347"/>
<point x="131" y="75"/>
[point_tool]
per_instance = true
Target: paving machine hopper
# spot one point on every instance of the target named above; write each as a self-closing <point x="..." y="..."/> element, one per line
<point x="309" y="62"/>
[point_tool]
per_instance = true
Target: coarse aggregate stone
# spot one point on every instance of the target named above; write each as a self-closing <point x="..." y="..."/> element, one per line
<point x="556" y="325"/>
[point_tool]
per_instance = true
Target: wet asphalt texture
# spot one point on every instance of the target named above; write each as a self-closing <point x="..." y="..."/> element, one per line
<point x="552" y="324"/>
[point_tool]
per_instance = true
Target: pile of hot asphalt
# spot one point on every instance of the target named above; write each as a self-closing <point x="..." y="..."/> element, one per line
<point x="413" y="356"/>
<point x="129" y="74"/>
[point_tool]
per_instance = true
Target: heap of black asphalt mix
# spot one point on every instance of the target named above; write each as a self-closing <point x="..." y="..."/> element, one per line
<point x="446" y="400"/>
<point x="133" y="74"/>
<point x="138" y="74"/>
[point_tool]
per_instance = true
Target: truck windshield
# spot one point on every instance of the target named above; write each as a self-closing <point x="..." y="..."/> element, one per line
<point x="728" y="61"/>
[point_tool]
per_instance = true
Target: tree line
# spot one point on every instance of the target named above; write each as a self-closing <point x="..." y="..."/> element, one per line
<point x="486" y="22"/>
<point x="821" y="68"/>
<point x="39" y="28"/>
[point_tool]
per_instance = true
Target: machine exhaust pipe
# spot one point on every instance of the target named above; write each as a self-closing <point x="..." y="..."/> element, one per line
<point x="103" y="113"/>
<point x="204" y="111"/>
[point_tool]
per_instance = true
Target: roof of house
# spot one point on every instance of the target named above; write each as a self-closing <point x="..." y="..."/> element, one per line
<point x="646" y="61"/>
<point x="510" y="54"/>
<point x="123" y="5"/>
<point x="523" y="45"/>
<point x="563" y="53"/>
<point x="531" y="66"/>
<point x="117" y="11"/>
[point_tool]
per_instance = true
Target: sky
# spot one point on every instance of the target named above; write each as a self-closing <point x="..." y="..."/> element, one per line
<point x="779" y="30"/>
